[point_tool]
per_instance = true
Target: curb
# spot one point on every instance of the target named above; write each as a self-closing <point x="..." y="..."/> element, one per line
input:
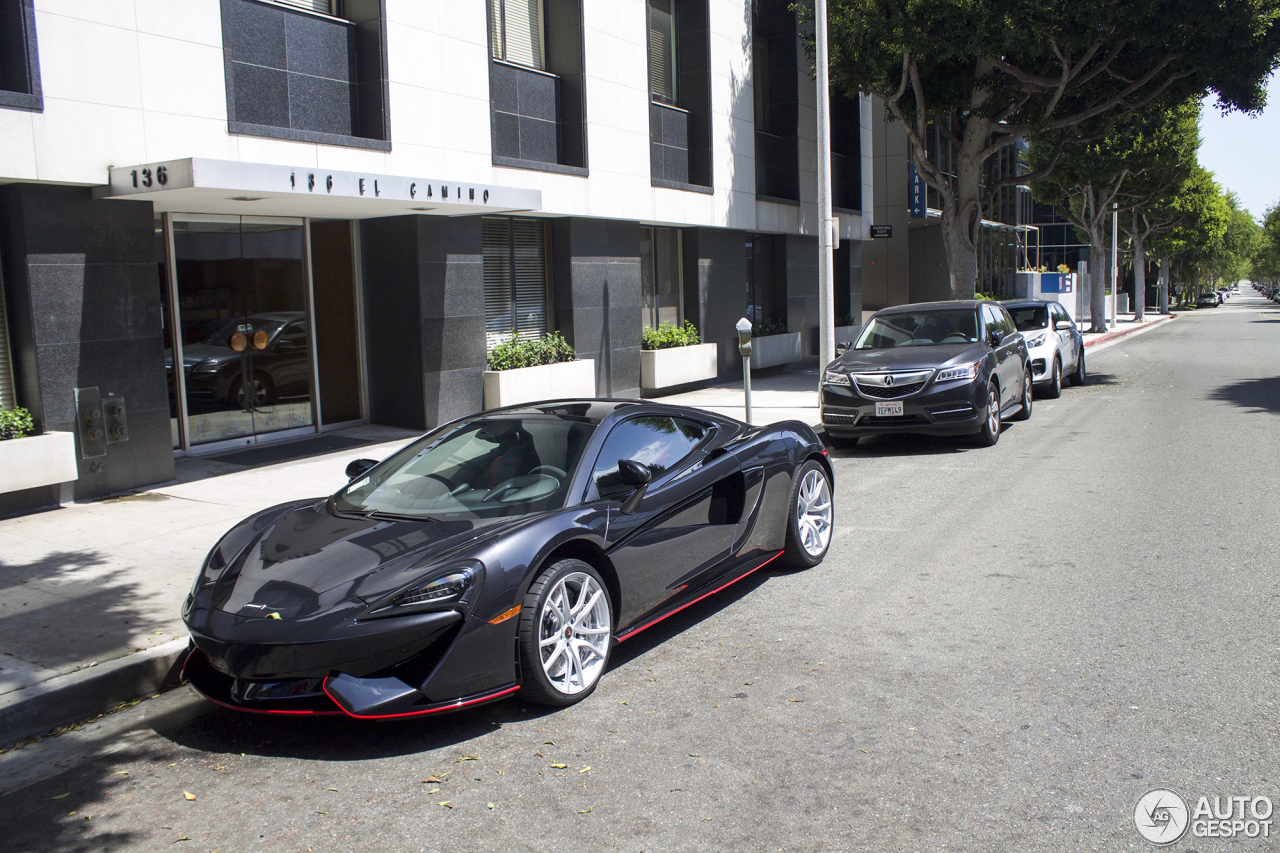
<point x="1110" y="336"/>
<point x="88" y="692"/>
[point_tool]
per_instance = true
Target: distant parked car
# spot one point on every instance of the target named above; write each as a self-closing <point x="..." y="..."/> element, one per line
<point x="1207" y="300"/>
<point x="1054" y="343"/>
<point x="939" y="368"/>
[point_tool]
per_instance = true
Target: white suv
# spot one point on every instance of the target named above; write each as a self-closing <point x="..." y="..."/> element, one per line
<point x="1054" y="343"/>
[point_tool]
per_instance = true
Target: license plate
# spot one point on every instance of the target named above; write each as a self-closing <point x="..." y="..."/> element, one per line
<point x="889" y="410"/>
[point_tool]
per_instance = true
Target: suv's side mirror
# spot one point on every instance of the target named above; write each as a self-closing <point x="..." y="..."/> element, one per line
<point x="1062" y="325"/>
<point x="843" y="347"/>
<point x="635" y="474"/>
<point x="359" y="466"/>
<point x="996" y="337"/>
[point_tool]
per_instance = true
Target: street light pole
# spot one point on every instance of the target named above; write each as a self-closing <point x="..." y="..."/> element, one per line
<point x="826" y="224"/>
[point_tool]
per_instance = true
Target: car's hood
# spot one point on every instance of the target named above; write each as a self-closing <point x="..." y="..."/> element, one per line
<point x="307" y="559"/>
<point x="908" y="358"/>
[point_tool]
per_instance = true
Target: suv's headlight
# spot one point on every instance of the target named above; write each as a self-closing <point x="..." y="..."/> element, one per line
<point x="454" y="587"/>
<point x="1035" y="341"/>
<point x="833" y="378"/>
<point x="952" y="373"/>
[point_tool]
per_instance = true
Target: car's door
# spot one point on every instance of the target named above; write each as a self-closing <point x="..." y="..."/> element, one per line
<point x="1015" y="363"/>
<point x="1008" y="365"/>
<point x="1066" y="338"/>
<point x="684" y="526"/>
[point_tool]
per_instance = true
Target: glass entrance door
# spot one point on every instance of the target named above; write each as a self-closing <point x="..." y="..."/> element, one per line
<point x="242" y="315"/>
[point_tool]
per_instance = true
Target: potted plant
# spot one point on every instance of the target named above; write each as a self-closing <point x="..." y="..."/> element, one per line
<point x="546" y="369"/>
<point x="31" y="461"/>
<point x="673" y="355"/>
<point x="772" y="344"/>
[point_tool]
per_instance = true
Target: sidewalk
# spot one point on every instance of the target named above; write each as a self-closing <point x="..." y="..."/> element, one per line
<point x="90" y="594"/>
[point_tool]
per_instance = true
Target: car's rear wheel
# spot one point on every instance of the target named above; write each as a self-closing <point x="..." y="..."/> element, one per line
<point x="1078" y="375"/>
<point x="566" y="630"/>
<point x="812" y="513"/>
<point x="1053" y="390"/>
<point x="990" y="432"/>
<point x="1024" y="413"/>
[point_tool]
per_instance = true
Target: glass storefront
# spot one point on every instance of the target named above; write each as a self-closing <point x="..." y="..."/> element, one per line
<point x="660" y="275"/>
<point x="243" y="323"/>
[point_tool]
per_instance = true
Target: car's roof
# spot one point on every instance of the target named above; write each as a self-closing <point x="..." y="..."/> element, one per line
<point x="592" y="410"/>
<point x="1026" y="303"/>
<point x="952" y="304"/>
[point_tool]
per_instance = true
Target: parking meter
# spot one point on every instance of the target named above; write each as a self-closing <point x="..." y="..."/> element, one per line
<point x="744" y="347"/>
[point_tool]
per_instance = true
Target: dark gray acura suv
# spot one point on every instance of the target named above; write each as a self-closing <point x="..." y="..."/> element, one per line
<point x="939" y="368"/>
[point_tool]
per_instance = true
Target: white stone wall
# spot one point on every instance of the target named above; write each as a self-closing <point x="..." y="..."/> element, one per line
<point x="142" y="81"/>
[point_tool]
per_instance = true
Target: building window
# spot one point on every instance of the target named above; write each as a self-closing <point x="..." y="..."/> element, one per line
<point x="8" y="392"/>
<point x="660" y="266"/>
<point x="516" y="29"/>
<point x="323" y="7"/>
<point x="766" y="307"/>
<point x="760" y="82"/>
<point x="19" y="65"/>
<point x="515" y="279"/>
<point x="662" y="51"/>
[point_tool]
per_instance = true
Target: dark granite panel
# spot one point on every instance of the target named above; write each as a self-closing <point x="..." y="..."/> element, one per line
<point x="538" y="140"/>
<point x="675" y="128"/>
<point x="308" y="136"/>
<point x="502" y="87"/>
<point x="320" y="48"/>
<point x="77" y="302"/>
<point x="261" y="95"/>
<point x="675" y="164"/>
<point x="68" y="220"/>
<point x="453" y="343"/>
<point x="624" y="372"/>
<point x="588" y="330"/>
<point x="535" y="95"/>
<point x="322" y="105"/>
<point x="657" y="162"/>
<point x="452" y="394"/>
<point x="451" y="240"/>
<point x="129" y="464"/>
<point x="254" y="33"/>
<point x="506" y="135"/>
<point x="29" y="500"/>
<point x="625" y="323"/>
<point x="451" y="289"/>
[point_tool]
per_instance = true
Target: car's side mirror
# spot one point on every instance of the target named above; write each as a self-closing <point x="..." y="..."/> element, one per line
<point x="637" y="475"/>
<point x="996" y="337"/>
<point x="843" y="347"/>
<point x="359" y="466"/>
<point x="1063" y="325"/>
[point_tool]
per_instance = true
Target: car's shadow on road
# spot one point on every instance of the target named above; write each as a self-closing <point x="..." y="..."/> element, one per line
<point x="1256" y="395"/>
<point x="227" y="732"/>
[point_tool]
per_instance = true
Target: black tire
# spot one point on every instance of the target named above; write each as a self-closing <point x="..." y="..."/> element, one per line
<point x="1053" y="390"/>
<point x="1024" y="413"/>
<point x="264" y="393"/>
<point x="989" y="434"/>
<point x="537" y="624"/>
<point x="1078" y="375"/>
<point x="803" y="551"/>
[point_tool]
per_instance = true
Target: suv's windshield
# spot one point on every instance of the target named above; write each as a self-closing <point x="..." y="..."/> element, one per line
<point x="1031" y="318"/>
<point x="486" y="468"/>
<point x="920" y="329"/>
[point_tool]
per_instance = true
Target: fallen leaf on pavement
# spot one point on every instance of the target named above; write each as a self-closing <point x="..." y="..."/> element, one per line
<point x="585" y="769"/>
<point x="468" y="758"/>
<point x="559" y="766"/>
<point x="490" y="805"/>
<point x="61" y="796"/>
<point x="187" y="795"/>
<point x="432" y="780"/>
<point x="448" y="804"/>
<point x="331" y="789"/>
<point x="587" y="810"/>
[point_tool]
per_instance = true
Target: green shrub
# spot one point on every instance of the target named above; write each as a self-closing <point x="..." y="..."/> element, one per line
<point x="15" y="423"/>
<point x="550" y="349"/>
<point x="847" y="320"/>
<point x="768" y="327"/>
<point x="670" y="335"/>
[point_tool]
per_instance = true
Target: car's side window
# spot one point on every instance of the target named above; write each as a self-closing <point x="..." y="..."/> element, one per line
<point x="658" y="441"/>
<point x="1006" y="322"/>
<point x="989" y="321"/>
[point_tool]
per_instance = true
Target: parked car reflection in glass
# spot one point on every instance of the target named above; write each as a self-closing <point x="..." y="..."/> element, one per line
<point x="273" y="364"/>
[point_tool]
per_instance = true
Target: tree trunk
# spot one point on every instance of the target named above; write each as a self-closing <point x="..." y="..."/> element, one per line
<point x="1139" y="272"/>
<point x="962" y="213"/>
<point x="1164" y="284"/>
<point x="1099" y="278"/>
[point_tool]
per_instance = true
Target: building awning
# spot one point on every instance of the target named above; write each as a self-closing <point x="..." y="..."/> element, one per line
<point x="200" y="185"/>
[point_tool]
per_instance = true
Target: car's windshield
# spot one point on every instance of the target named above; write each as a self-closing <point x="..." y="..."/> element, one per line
<point x="1030" y="318"/>
<point x="920" y="328"/>
<point x="486" y="468"/>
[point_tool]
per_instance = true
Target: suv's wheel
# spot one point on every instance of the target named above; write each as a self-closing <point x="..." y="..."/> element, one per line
<point x="1025" y="412"/>
<point x="1053" y="390"/>
<point x="990" y="432"/>
<point x="566" y="630"/>
<point x="1077" y="376"/>
<point x="812" y="513"/>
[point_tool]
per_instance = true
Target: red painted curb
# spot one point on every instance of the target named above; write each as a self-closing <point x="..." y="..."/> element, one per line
<point x="1121" y="333"/>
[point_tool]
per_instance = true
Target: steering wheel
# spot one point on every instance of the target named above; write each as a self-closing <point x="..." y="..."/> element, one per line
<point x="524" y="481"/>
<point x="956" y="338"/>
<point x="549" y="469"/>
<point x="450" y="486"/>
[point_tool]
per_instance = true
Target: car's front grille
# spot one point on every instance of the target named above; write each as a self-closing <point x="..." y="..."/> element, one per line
<point x="889" y="392"/>
<point x="904" y="420"/>
<point x="837" y="418"/>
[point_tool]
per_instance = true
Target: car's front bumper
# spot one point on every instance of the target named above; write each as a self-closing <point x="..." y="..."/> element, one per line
<point x="953" y="408"/>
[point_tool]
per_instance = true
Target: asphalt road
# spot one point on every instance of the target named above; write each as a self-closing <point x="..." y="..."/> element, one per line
<point x="1004" y="650"/>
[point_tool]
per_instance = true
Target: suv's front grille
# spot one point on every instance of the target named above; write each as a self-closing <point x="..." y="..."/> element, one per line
<point x="883" y="392"/>
<point x="890" y="386"/>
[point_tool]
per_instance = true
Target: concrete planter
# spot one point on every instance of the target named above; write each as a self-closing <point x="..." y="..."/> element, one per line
<point x="38" y="460"/>
<point x="666" y="368"/>
<point x="773" y="350"/>
<point x="543" y="382"/>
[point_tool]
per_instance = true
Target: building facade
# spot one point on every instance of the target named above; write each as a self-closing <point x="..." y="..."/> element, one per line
<point x="225" y="222"/>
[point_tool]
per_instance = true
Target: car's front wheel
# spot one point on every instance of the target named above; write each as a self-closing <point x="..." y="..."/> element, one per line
<point x="990" y="432"/>
<point x="811" y="517"/>
<point x="566" y="630"/>
<point x="1053" y="390"/>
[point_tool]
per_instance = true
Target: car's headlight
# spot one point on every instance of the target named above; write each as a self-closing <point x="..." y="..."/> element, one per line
<point x="1035" y="341"/>
<point x="953" y="373"/>
<point x="206" y="367"/>
<point x="454" y="587"/>
<point x="833" y="378"/>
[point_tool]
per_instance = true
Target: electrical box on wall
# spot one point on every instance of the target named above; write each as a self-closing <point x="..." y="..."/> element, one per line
<point x="91" y="428"/>
<point x="117" y="423"/>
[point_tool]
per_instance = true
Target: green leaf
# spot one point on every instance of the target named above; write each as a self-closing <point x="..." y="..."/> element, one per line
<point x="587" y="810"/>
<point x="61" y="796"/>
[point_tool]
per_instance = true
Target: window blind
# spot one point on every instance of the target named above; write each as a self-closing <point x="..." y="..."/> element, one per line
<point x="515" y="280"/>
<point x="324" y="7"/>
<point x="516" y="32"/>
<point x="662" y="60"/>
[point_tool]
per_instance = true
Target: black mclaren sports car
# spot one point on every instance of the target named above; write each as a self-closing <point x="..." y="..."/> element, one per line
<point x="504" y="552"/>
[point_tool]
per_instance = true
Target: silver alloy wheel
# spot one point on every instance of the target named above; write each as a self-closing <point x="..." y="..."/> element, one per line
<point x="993" y="410"/>
<point x="573" y="635"/>
<point x="813" y="513"/>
